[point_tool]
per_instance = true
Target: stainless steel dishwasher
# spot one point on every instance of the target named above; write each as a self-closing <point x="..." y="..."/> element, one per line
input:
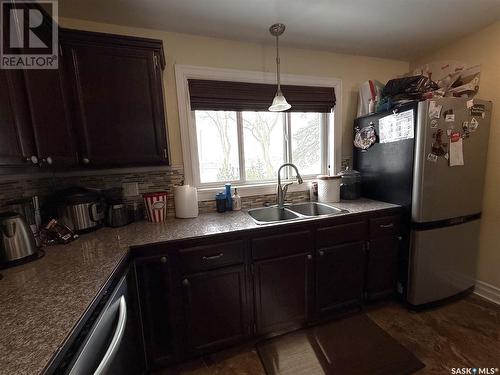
<point x="104" y="349"/>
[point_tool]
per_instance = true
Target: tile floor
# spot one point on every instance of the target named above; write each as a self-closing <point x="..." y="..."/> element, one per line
<point x="465" y="333"/>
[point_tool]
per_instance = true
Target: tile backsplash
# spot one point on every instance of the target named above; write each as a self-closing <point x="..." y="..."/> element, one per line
<point x="257" y="201"/>
<point x="148" y="180"/>
<point x="156" y="179"/>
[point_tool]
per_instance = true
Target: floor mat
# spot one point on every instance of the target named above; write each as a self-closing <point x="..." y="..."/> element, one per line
<point x="354" y="345"/>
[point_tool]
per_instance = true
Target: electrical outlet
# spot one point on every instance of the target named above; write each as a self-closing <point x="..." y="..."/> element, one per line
<point x="130" y="189"/>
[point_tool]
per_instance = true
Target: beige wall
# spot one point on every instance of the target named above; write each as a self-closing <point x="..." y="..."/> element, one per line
<point x="221" y="53"/>
<point x="483" y="47"/>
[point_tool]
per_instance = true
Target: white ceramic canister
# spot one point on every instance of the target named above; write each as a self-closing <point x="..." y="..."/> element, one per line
<point x="186" y="201"/>
<point x="329" y="188"/>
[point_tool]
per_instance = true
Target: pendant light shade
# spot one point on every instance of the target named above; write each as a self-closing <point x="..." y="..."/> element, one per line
<point x="279" y="102"/>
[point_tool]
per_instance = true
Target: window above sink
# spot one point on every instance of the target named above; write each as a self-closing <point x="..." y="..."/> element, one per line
<point x="248" y="147"/>
<point x="314" y="137"/>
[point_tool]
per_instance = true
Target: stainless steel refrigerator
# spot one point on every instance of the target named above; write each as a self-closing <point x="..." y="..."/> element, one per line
<point x="430" y="157"/>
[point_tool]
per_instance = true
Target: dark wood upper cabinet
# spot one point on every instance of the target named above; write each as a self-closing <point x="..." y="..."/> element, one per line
<point x="17" y="144"/>
<point x="35" y="115"/>
<point x="215" y="308"/>
<point x="117" y="90"/>
<point x="340" y="273"/>
<point x="50" y="118"/>
<point x="50" y="113"/>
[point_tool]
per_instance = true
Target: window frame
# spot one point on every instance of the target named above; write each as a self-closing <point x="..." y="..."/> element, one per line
<point x="333" y="134"/>
<point x="287" y="153"/>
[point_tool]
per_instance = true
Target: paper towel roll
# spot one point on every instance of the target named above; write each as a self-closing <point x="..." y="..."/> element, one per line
<point x="186" y="201"/>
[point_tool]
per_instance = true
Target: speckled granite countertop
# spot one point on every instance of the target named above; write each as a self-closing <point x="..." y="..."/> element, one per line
<point x="42" y="301"/>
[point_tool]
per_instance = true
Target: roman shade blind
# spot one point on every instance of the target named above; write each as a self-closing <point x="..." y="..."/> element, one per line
<point x="243" y="96"/>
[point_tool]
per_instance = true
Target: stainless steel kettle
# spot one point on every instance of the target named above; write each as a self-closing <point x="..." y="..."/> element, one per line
<point x="17" y="240"/>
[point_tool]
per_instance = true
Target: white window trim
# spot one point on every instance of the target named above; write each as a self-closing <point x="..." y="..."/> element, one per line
<point x="186" y="119"/>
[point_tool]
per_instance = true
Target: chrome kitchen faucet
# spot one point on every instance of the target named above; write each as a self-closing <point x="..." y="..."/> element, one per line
<point x="282" y="190"/>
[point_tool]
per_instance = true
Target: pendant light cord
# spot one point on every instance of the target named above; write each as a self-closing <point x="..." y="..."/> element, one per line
<point x="278" y="65"/>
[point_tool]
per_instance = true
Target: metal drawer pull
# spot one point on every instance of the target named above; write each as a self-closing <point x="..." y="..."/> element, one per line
<point x="386" y="225"/>
<point x="213" y="257"/>
<point x="115" y="341"/>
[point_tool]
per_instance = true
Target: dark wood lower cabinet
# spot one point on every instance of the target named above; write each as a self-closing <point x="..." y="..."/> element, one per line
<point x="382" y="267"/>
<point x="160" y="317"/>
<point x="215" y="308"/>
<point x="199" y="296"/>
<point x="340" y="273"/>
<point x="281" y="292"/>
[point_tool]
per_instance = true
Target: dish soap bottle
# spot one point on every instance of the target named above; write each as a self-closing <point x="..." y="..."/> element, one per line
<point x="236" y="201"/>
<point x="229" y="201"/>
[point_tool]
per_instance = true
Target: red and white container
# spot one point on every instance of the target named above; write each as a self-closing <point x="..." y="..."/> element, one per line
<point x="156" y="206"/>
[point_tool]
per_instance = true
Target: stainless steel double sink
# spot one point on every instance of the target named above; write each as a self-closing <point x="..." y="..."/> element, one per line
<point x="297" y="211"/>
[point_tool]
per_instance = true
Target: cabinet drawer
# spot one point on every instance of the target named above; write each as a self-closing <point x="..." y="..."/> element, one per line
<point x="281" y="245"/>
<point x="201" y="258"/>
<point x="348" y="232"/>
<point x="385" y="226"/>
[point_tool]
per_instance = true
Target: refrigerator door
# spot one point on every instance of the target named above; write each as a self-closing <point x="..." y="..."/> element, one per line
<point x="387" y="167"/>
<point x="442" y="262"/>
<point x="439" y="191"/>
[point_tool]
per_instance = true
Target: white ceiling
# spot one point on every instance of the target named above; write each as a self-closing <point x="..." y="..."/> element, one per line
<point x="401" y="29"/>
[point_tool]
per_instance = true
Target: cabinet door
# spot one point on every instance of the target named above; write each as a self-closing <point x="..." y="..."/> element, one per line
<point x="119" y="101"/>
<point x="339" y="276"/>
<point x="382" y="267"/>
<point x="50" y="117"/>
<point x="157" y="303"/>
<point x="17" y="145"/>
<point x="215" y="308"/>
<point x="282" y="292"/>
<point x="48" y="107"/>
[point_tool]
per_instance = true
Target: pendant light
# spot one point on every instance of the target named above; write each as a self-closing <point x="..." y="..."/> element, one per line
<point x="279" y="102"/>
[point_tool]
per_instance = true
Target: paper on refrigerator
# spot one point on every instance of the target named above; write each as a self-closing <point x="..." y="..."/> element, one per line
<point x="396" y="127"/>
<point x="456" y="151"/>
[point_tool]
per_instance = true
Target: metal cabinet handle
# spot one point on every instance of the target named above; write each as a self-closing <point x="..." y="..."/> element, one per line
<point x="48" y="160"/>
<point x="187" y="286"/>
<point x="386" y="225"/>
<point x="115" y="341"/>
<point x="213" y="257"/>
<point x="33" y="159"/>
<point x="163" y="260"/>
